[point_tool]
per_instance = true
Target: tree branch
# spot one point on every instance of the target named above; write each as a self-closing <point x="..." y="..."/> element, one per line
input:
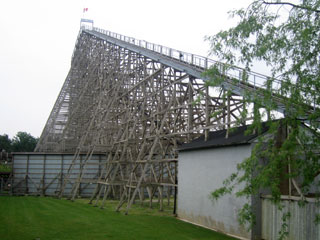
<point x="292" y="5"/>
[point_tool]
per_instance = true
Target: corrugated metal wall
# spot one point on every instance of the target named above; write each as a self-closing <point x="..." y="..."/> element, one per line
<point x="43" y="173"/>
<point x="301" y="224"/>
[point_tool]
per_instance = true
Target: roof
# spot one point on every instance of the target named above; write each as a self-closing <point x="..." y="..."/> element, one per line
<point x="236" y="136"/>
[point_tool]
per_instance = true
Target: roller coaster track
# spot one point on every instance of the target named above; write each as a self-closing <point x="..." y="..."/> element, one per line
<point x="136" y="102"/>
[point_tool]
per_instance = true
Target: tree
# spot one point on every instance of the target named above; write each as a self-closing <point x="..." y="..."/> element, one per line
<point x="284" y="36"/>
<point x="5" y="143"/>
<point x="23" y="142"/>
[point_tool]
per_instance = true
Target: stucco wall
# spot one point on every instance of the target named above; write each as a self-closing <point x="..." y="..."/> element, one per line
<point x="200" y="172"/>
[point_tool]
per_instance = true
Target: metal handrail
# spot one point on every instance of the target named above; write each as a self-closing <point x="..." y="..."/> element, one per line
<point x="255" y="79"/>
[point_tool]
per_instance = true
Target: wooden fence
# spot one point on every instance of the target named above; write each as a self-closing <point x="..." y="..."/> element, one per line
<point x="300" y="224"/>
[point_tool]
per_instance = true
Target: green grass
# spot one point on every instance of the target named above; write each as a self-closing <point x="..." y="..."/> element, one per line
<point x="48" y="218"/>
<point x="5" y="168"/>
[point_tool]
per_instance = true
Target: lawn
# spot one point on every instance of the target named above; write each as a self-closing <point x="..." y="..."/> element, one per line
<point x="45" y="218"/>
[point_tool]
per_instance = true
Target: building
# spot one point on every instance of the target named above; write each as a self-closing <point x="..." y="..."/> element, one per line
<point x="203" y="165"/>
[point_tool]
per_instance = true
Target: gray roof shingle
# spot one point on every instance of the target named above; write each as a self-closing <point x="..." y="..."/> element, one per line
<point x="236" y="136"/>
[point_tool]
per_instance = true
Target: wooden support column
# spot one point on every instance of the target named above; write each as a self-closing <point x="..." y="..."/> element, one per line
<point x="148" y="164"/>
<point x="62" y="174"/>
<point x="244" y="105"/>
<point x="103" y="176"/>
<point x="168" y="195"/>
<point x="141" y="195"/>
<point x="43" y="192"/>
<point x="224" y="108"/>
<point x="27" y="175"/>
<point x="150" y="196"/>
<point x="161" y="197"/>
<point x="190" y="108"/>
<point x="81" y="175"/>
<point x="228" y="114"/>
<point x="99" y="166"/>
<point x="206" y="133"/>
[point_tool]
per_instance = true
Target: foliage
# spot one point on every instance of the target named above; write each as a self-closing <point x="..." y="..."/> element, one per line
<point x="285" y="37"/>
<point x="283" y="233"/>
<point x="5" y="143"/>
<point x="24" y="142"/>
<point x="49" y="218"/>
<point x="5" y="168"/>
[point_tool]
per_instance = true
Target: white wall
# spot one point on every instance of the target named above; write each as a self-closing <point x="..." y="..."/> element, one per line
<point x="200" y="172"/>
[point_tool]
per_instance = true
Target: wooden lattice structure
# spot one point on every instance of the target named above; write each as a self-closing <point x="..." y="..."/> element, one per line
<point x="137" y="102"/>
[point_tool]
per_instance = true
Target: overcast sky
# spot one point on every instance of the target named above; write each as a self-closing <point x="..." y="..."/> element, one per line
<point x="38" y="36"/>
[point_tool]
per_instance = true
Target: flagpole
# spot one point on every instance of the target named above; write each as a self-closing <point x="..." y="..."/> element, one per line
<point x="84" y="11"/>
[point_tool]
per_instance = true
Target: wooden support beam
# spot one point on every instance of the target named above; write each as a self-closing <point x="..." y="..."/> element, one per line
<point x="138" y="111"/>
